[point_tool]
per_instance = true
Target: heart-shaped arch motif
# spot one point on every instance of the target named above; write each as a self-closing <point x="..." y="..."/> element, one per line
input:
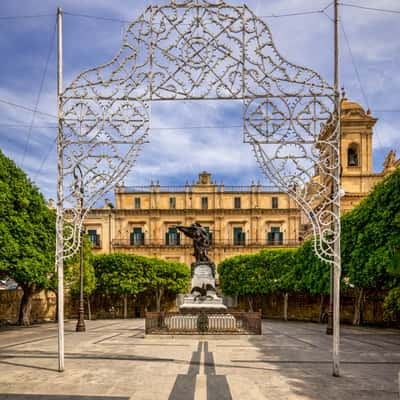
<point x="203" y="49"/>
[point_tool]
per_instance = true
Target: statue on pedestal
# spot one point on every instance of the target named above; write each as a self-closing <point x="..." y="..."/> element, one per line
<point x="203" y="293"/>
<point x="201" y="240"/>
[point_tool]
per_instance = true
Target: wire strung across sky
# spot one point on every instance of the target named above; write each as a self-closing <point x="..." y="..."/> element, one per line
<point x="46" y="65"/>
<point x="363" y="92"/>
<point x="35" y="109"/>
<point x="283" y="15"/>
<point x="385" y="10"/>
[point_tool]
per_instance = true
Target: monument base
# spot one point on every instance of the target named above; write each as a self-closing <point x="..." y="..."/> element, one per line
<point x="203" y="296"/>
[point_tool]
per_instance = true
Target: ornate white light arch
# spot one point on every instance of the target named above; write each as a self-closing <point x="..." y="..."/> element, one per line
<point x="203" y="49"/>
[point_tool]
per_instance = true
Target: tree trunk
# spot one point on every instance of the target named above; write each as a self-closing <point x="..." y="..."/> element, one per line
<point x="321" y="308"/>
<point x="358" y="307"/>
<point x="159" y="294"/>
<point x="125" y="306"/>
<point x="89" y="308"/>
<point x="285" y="305"/>
<point x="250" y="301"/>
<point x="26" y="305"/>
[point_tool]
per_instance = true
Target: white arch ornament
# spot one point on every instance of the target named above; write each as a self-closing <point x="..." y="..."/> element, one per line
<point x="203" y="49"/>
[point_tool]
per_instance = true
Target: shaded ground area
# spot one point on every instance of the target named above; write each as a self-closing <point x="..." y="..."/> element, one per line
<point x="114" y="360"/>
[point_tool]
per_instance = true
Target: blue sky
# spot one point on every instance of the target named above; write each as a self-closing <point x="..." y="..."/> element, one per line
<point x="174" y="156"/>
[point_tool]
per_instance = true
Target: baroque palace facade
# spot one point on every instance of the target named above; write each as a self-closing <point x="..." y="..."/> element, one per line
<point x="240" y="219"/>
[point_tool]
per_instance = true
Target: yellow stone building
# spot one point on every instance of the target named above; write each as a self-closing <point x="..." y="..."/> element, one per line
<point x="240" y="219"/>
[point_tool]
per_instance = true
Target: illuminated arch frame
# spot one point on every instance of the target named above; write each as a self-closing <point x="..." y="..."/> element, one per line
<point x="201" y="49"/>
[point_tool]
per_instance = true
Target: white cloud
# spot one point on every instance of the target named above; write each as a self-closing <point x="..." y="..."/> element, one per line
<point x="386" y="136"/>
<point x="177" y="155"/>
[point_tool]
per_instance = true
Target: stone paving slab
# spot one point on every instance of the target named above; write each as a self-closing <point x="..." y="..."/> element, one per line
<point x="114" y="360"/>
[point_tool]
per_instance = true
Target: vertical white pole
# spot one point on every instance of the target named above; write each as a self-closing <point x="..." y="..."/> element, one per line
<point x="337" y="258"/>
<point x="59" y="222"/>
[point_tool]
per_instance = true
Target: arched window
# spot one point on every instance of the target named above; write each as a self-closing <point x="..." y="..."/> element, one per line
<point x="352" y="155"/>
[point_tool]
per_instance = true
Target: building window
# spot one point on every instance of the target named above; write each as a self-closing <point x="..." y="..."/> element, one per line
<point x="172" y="237"/>
<point x="172" y="202"/>
<point x="236" y="202"/>
<point x="239" y="237"/>
<point x="352" y="156"/>
<point x="204" y="203"/>
<point x="275" y="236"/>
<point x="137" y="202"/>
<point x="137" y="237"/>
<point x="94" y="237"/>
<point x="274" y="202"/>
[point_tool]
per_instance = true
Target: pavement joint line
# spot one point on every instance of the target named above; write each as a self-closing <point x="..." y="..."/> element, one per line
<point x="299" y="340"/>
<point x="319" y="362"/>
<point x="344" y="337"/>
<point x="107" y="338"/>
<point x="33" y="341"/>
<point x="147" y="344"/>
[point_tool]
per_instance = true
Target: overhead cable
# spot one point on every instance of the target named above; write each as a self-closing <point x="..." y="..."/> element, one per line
<point x="44" y="74"/>
<point x="43" y="162"/>
<point x="12" y="17"/>
<point x="358" y="75"/>
<point x="10" y="103"/>
<point x="385" y="10"/>
<point x="124" y="21"/>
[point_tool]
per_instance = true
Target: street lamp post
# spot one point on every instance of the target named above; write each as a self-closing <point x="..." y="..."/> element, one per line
<point x="80" y="326"/>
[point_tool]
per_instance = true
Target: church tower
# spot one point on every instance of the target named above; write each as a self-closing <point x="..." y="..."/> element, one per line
<point x="357" y="175"/>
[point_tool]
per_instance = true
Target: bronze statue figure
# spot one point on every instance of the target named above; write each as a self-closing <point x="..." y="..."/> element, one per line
<point x="201" y="240"/>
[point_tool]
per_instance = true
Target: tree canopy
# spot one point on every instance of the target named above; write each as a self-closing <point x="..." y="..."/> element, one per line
<point x="130" y="274"/>
<point x="72" y="270"/>
<point x="371" y="242"/>
<point x="256" y="274"/>
<point x="371" y="235"/>
<point x="167" y="277"/>
<point x="27" y="233"/>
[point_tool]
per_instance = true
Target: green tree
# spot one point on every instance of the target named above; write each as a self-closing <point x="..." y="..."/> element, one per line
<point x="167" y="277"/>
<point x="392" y="300"/>
<point x="72" y="273"/>
<point x="281" y="263"/>
<point x="27" y="235"/>
<point x="121" y="274"/>
<point x="309" y="274"/>
<point x="370" y="233"/>
<point x="256" y="274"/>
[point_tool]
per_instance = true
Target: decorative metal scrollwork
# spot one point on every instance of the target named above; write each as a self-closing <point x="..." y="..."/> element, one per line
<point x="203" y="49"/>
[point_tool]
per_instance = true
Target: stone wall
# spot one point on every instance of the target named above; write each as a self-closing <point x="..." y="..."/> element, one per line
<point x="300" y="306"/>
<point x="43" y="306"/>
<point x="304" y="307"/>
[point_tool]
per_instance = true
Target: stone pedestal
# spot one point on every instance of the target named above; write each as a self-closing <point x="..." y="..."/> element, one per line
<point x="203" y="296"/>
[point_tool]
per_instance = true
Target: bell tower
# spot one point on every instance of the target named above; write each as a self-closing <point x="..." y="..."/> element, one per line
<point x="356" y="152"/>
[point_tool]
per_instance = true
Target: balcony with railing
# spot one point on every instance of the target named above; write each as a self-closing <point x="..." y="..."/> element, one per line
<point x="189" y="189"/>
<point x="125" y="243"/>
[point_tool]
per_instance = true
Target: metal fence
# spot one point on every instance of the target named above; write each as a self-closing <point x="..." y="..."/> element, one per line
<point x="203" y="323"/>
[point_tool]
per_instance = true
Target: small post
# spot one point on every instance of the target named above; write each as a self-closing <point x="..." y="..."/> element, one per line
<point x="329" y="328"/>
<point x="60" y="211"/>
<point x="80" y="326"/>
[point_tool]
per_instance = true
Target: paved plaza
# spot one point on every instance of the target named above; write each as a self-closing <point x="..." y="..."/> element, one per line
<point x="115" y="360"/>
